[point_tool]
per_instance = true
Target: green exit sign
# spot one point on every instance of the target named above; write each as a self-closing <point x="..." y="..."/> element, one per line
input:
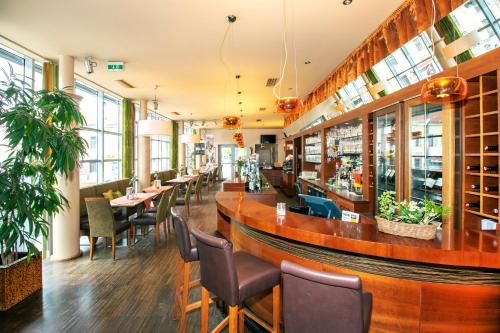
<point x="115" y="66"/>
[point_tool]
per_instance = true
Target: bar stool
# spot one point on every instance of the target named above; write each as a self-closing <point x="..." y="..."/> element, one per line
<point x="318" y="301"/>
<point x="234" y="278"/>
<point x="187" y="254"/>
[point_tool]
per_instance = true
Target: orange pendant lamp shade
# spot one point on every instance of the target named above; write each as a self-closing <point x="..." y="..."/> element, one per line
<point x="231" y="122"/>
<point x="288" y="105"/>
<point x="443" y="90"/>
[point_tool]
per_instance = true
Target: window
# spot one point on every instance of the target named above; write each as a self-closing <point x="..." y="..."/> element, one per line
<point x="160" y="147"/>
<point x="409" y="64"/>
<point x="483" y="16"/>
<point x="102" y="112"/>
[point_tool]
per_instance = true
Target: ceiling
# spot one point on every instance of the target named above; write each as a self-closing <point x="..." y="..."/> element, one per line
<point x="175" y="45"/>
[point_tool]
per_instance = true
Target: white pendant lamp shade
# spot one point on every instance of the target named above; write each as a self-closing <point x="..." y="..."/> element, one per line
<point x="154" y="127"/>
<point x="190" y="138"/>
<point x="462" y="44"/>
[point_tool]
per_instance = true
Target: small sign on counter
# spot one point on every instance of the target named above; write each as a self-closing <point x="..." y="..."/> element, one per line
<point x="348" y="216"/>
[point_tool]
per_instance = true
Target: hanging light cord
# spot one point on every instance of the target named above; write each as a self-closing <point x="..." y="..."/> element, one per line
<point x="282" y="74"/>
<point x="295" y="55"/>
<point x="226" y="66"/>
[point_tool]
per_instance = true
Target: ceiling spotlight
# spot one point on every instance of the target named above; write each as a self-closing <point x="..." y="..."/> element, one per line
<point x="307" y="62"/>
<point x="346" y="2"/>
<point x="89" y="65"/>
<point x="237" y="76"/>
<point x="231" y="18"/>
<point x="240" y="103"/>
<point x="239" y="93"/>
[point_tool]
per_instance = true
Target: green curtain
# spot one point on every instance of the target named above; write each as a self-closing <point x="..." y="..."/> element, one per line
<point x="128" y="115"/>
<point x="174" y="149"/>
<point x="373" y="77"/>
<point x="49" y="75"/>
<point x="450" y="32"/>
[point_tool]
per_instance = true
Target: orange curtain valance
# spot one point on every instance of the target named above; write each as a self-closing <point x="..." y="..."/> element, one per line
<point x="409" y="20"/>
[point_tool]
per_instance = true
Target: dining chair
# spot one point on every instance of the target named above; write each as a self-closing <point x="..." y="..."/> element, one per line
<point x="147" y="218"/>
<point x="197" y="187"/>
<point x="187" y="197"/>
<point x="206" y="181"/>
<point x="171" y="203"/>
<point x="102" y="223"/>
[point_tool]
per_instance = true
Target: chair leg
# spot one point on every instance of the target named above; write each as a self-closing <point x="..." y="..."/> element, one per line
<point x="157" y="233"/>
<point x="134" y="230"/>
<point x="233" y="319"/>
<point x="129" y="238"/>
<point x="276" y="308"/>
<point x="91" y="247"/>
<point x="187" y="209"/>
<point x="178" y="279"/>
<point x="165" y="228"/>
<point x="185" y="297"/>
<point x="113" y="246"/>
<point x="204" y="310"/>
<point x="241" y="322"/>
<point x="106" y="242"/>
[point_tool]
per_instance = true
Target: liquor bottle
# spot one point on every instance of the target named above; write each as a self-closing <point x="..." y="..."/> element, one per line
<point x="490" y="168"/>
<point x="491" y="148"/>
<point x="491" y="189"/>
<point x="472" y="204"/>
<point x="473" y="167"/>
<point x="475" y="187"/>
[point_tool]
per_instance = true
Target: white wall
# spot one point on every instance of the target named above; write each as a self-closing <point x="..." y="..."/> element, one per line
<point x="251" y="137"/>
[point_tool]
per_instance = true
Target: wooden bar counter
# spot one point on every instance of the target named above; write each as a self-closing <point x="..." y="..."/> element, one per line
<point x="449" y="284"/>
<point x="237" y="184"/>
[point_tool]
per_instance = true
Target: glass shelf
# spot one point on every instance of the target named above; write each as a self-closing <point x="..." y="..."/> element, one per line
<point x="385" y="153"/>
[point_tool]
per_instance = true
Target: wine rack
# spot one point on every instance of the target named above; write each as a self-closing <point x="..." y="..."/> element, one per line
<point x="480" y="147"/>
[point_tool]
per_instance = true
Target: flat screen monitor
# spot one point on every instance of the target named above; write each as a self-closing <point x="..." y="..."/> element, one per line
<point x="268" y="138"/>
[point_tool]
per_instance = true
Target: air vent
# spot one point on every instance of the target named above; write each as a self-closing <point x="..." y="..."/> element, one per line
<point x="124" y="84"/>
<point x="262" y="108"/>
<point x="271" y="82"/>
<point x="175" y="113"/>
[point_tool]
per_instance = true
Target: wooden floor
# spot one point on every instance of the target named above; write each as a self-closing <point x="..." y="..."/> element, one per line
<point x="133" y="294"/>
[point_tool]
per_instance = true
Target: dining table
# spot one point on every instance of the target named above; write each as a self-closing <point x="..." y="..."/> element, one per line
<point x="132" y="205"/>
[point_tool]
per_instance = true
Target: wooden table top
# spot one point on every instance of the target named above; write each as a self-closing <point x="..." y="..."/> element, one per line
<point x="450" y="247"/>
<point x="127" y="203"/>
<point x="155" y="190"/>
<point x="183" y="180"/>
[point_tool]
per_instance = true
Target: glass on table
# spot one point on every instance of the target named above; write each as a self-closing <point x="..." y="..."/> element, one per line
<point x="281" y="209"/>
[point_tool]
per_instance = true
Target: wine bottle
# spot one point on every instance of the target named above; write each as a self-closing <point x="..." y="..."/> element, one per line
<point x="491" y="148"/>
<point x="491" y="189"/>
<point x="473" y="168"/>
<point x="490" y="168"/>
<point x="472" y="204"/>
<point x="475" y="186"/>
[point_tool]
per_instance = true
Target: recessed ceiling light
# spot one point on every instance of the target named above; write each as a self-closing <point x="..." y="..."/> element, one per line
<point x="240" y="103"/>
<point x="307" y="62"/>
<point x="346" y="2"/>
<point x="239" y="92"/>
<point x="238" y="76"/>
<point x="258" y="120"/>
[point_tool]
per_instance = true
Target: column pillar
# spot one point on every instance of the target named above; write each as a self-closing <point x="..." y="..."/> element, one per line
<point x="66" y="224"/>
<point x="144" y="152"/>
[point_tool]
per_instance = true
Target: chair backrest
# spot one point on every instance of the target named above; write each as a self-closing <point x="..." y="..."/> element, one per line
<point x="161" y="213"/>
<point x="173" y="198"/>
<point x="182" y="235"/>
<point x="101" y="219"/>
<point x="187" y="196"/>
<point x="218" y="271"/>
<point x="321" y="206"/>
<point x="318" y="301"/>
<point x="199" y="183"/>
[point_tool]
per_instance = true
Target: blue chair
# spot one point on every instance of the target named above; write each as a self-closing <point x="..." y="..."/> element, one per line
<point x="321" y="207"/>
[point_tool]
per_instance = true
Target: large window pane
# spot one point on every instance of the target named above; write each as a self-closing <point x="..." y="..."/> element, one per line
<point x="111" y="171"/>
<point x="88" y="173"/>
<point x="111" y="146"/>
<point x="111" y="115"/>
<point x="397" y="61"/>
<point x="92" y="140"/>
<point x="489" y="41"/>
<point x="88" y="105"/>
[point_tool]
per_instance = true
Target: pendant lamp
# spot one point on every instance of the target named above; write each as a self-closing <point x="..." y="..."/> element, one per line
<point x="231" y="122"/>
<point x="448" y="89"/>
<point x="287" y="104"/>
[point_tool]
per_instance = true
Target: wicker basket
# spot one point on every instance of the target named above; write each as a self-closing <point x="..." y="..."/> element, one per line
<point x="405" y="229"/>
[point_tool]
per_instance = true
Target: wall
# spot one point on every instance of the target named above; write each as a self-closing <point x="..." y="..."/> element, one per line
<point x="251" y="137"/>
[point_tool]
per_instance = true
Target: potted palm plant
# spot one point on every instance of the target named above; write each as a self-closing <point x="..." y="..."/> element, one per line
<point x="409" y="219"/>
<point x="42" y="141"/>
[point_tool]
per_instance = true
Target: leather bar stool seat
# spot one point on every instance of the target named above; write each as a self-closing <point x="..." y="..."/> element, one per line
<point x="318" y="301"/>
<point x="187" y="254"/>
<point x="234" y="278"/>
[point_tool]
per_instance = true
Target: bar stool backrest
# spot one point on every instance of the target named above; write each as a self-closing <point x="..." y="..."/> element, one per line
<point x="218" y="271"/>
<point x="186" y="249"/>
<point x="318" y="301"/>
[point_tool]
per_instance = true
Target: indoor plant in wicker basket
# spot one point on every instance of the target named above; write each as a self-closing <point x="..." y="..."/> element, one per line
<point x="409" y="219"/>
